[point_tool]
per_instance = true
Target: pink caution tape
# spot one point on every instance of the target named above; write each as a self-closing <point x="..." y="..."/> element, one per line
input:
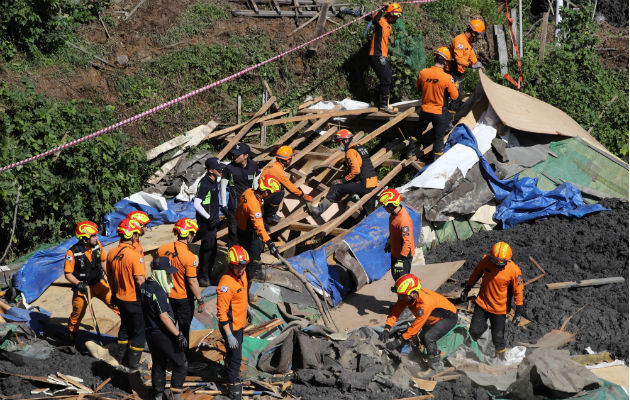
<point x="169" y="103"/>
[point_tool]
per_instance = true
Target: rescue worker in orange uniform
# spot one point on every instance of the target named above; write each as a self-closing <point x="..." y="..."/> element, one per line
<point x="434" y="315"/>
<point x="85" y="268"/>
<point x="185" y="289"/>
<point x="464" y="56"/>
<point x="436" y="85"/>
<point x="232" y="303"/>
<point x="252" y="233"/>
<point x="126" y="270"/>
<point x="143" y="219"/>
<point x="401" y="243"/>
<point x="379" y="49"/>
<point x="501" y="276"/>
<point x="360" y="179"/>
<point x="284" y="155"/>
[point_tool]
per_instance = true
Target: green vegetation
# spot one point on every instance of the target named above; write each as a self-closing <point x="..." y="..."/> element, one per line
<point x="194" y="21"/>
<point x="60" y="190"/>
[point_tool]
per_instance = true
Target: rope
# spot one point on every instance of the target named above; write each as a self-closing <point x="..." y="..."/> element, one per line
<point x="172" y="102"/>
<point x="519" y="84"/>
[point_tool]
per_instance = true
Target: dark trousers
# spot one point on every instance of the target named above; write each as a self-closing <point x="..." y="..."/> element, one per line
<point x="183" y="310"/>
<point x="440" y="122"/>
<point x="250" y="241"/>
<point x="497" y="326"/>
<point x="273" y="202"/>
<point x="208" y="251"/>
<point x="432" y="333"/>
<point x="336" y="191"/>
<point x="131" y="330"/>
<point x="233" y="357"/>
<point x="164" y="349"/>
<point x="384" y="73"/>
<point x="454" y="105"/>
<point x="406" y="267"/>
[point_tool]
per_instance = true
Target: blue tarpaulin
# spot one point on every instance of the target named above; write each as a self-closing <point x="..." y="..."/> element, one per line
<point x="367" y="242"/>
<point x="520" y="200"/>
<point x="45" y="266"/>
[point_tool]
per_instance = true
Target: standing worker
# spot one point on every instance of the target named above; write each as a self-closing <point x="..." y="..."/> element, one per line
<point x="434" y="316"/>
<point x="166" y="342"/>
<point x="401" y="243"/>
<point x="360" y="179"/>
<point x="207" y="214"/>
<point x="435" y="85"/>
<point x="126" y="269"/>
<point x="238" y="175"/>
<point x="284" y="155"/>
<point x="85" y="268"/>
<point x="185" y="289"/>
<point x="501" y="276"/>
<point x="232" y="303"/>
<point x="464" y="56"/>
<point x="252" y="234"/>
<point x="143" y="219"/>
<point x="379" y="48"/>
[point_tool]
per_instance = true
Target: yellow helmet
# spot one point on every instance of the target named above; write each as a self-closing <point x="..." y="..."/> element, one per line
<point x="389" y="196"/>
<point x="268" y="182"/>
<point x="237" y="255"/>
<point x="408" y="284"/>
<point x="501" y="253"/>
<point x="85" y="229"/>
<point x="184" y="227"/>
<point x="394" y="9"/>
<point x="127" y="228"/>
<point x="140" y="216"/>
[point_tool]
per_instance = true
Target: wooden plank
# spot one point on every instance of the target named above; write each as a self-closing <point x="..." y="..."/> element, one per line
<point x="313" y="18"/>
<point x="321" y="25"/>
<point x="310" y="102"/>
<point x="342" y="113"/>
<point x="254" y="6"/>
<point x="543" y="38"/>
<point x="321" y="139"/>
<point x="501" y="48"/>
<point x="246" y="128"/>
<point x="280" y="141"/>
<point x="303" y="227"/>
<point x="553" y="340"/>
<point x="74" y="382"/>
<point x="242" y="124"/>
<point x="177" y="141"/>
<point x="274" y="14"/>
<point x="585" y="283"/>
<point x="326" y="228"/>
<point x="239" y="114"/>
<point x="255" y="330"/>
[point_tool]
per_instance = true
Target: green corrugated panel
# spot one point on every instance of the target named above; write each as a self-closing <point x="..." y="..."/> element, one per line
<point x="477" y="226"/>
<point x="580" y="164"/>
<point x="446" y="233"/>
<point x="463" y="229"/>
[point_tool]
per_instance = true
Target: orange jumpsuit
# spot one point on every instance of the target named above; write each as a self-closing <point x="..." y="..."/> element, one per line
<point x="463" y="54"/>
<point x="493" y="295"/>
<point x="434" y="84"/>
<point x="276" y="169"/>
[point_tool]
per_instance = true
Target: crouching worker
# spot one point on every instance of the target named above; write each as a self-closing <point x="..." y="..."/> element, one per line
<point x="501" y="277"/>
<point x="401" y="243"/>
<point x="435" y="317"/>
<point x="85" y="268"/>
<point x="166" y="342"/>
<point x="232" y="302"/>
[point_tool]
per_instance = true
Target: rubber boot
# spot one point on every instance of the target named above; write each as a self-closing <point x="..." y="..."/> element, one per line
<point x="412" y="147"/>
<point x="157" y="395"/>
<point x="72" y="338"/>
<point x="435" y="365"/>
<point x="385" y="105"/>
<point x="254" y="271"/>
<point x="500" y="354"/>
<point x="133" y="359"/>
<point x="175" y="394"/>
<point x="270" y="211"/>
<point x="436" y="156"/>
<point x="235" y="391"/>
<point x="320" y="208"/>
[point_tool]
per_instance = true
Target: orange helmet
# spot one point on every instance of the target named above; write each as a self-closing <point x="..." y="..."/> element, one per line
<point x="237" y="255"/>
<point x="477" y="26"/>
<point x="501" y="253"/>
<point x="443" y="52"/>
<point x="268" y="182"/>
<point x="389" y="196"/>
<point x="285" y="153"/>
<point x="127" y="227"/>
<point x="184" y="226"/>
<point x="342" y="134"/>
<point x="85" y="229"/>
<point x="140" y="216"/>
<point x="394" y="9"/>
<point x="408" y="284"/>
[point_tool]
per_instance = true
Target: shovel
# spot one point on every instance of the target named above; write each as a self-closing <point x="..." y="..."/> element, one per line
<point x="98" y="330"/>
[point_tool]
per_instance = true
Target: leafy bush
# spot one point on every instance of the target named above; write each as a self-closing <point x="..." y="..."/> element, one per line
<point x="41" y="25"/>
<point x="75" y="184"/>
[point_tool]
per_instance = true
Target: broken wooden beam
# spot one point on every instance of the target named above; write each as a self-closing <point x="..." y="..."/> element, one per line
<point x="543" y="273"/>
<point x="274" y="14"/>
<point x="501" y="48"/>
<point x="340" y="113"/>
<point x="320" y="27"/>
<point x="585" y="283"/>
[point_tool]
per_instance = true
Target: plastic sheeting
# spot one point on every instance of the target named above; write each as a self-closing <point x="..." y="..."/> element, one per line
<point x="45" y="266"/>
<point x="367" y="242"/>
<point x="520" y="199"/>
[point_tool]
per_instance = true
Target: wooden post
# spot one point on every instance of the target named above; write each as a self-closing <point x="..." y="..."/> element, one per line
<point x="501" y="48"/>
<point x="520" y="27"/>
<point x="239" y="103"/>
<point x="263" y="129"/>
<point x="321" y="25"/>
<point x="543" y="38"/>
<point x="515" y="28"/>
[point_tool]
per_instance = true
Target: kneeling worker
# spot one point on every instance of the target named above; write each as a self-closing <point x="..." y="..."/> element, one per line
<point x="166" y="342"/>
<point x="500" y="277"/>
<point x="435" y="317"/>
<point x="232" y="303"/>
<point x="284" y="155"/>
<point x="360" y="179"/>
<point x="401" y="243"/>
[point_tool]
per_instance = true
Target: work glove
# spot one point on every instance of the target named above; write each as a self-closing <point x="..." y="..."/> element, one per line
<point x="82" y="287"/>
<point x="182" y="343"/>
<point x="200" y="304"/>
<point x="517" y="315"/>
<point x="232" y="342"/>
<point x="396" y="344"/>
<point x="382" y="60"/>
<point x="463" y="297"/>
<point x="250" y="314"/>
<point x="384" y="336"/>
<point x="273" y="250"/>
<point x="397" y="268"/>
<point x="307" y="197"/>
<point x="477" y="65"/>
<point x="224" y="211"/>
<point x="388" y="246"/>
<point x="336" y="182"/>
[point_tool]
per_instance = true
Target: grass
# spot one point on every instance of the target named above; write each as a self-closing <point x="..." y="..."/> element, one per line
<point x="194" y="21"/>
